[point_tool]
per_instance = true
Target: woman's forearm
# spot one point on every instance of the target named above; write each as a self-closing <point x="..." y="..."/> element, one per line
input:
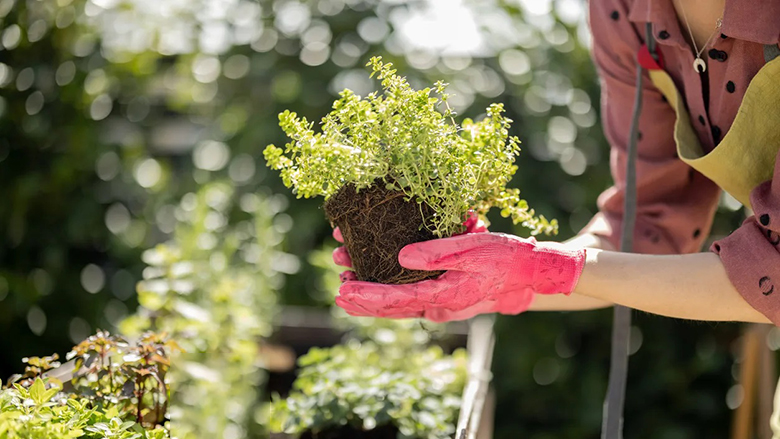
<point x="559" y="302"/>
<point x="693" y="286"/>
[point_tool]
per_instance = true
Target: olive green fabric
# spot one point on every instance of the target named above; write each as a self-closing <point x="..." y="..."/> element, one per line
<point x="745" y="157"/>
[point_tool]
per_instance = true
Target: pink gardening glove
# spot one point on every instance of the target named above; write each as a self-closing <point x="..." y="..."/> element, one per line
<point x="486" y="272"/>
<point x="341" y="256"/>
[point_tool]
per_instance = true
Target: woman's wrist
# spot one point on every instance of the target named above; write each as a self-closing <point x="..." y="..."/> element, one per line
<point x="589" y="240"/>
<point x="574" y="301"/>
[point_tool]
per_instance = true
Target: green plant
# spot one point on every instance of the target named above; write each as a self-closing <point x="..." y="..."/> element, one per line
<point x="403" y="141"/>
<point x="42" y="411"/>
<point x="117" y="390"/>
<point x="130" y="375"/>
<point x="109" y="371"/>
<point x="364" y="385"/>
<point x="213" y="288"/>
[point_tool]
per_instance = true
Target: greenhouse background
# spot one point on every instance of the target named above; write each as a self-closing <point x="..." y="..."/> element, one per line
<point x="125" y="125"/>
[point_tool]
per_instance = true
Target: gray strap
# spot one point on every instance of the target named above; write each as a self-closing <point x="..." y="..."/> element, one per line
<point x="771" y="51"/>
<point x="612" y="421"/>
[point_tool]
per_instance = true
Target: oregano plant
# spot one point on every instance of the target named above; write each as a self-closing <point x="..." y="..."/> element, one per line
<point x="409" y="141"/>
<point x="396" y="168"/>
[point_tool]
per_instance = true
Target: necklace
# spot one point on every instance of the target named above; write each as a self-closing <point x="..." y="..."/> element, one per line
<point x="698" y="64"/>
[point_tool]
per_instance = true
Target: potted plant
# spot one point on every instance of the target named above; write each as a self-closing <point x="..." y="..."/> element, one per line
<point x="368" y="390"/>
<point x="396" y="168"/>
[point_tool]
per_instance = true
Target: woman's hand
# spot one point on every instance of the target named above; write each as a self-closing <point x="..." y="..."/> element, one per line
<point x="486" y="272"/>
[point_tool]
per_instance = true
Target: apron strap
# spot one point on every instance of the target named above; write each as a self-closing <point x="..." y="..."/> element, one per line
<point x="771" y="51"/>
<point x="612" y="420"/>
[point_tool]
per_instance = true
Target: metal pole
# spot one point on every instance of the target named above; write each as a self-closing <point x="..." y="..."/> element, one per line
<point x="481" y="343"/>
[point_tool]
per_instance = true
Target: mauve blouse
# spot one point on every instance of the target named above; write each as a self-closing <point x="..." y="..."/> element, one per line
<point x="676" y="204"/>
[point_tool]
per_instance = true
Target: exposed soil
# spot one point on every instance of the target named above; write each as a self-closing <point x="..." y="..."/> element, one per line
<point x="376" y="224"/>
<point x="383" y="432"/>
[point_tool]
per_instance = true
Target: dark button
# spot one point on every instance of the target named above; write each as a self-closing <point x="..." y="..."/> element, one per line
<point x="615" y="15"/>
<point x="701" y="120"/>
<point x="716" y="134"/>
<point x="724" y="36"/>
<point x="730" y="87"/>
<point x="765" y="284"/>
<point x="639" y="135"/>
<point x="718" y="55"/>
<point x="764" y="219"/>
<point x="696" y="233"/>
<point x="663" y="35"/>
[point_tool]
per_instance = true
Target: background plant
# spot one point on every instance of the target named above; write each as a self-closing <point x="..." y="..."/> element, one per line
<point x="117" y="389"/>
<point x="365" y="386"/>
<point x="110" y="372"/>
<point x="403" y="140"/>
<point x="387" y="372"/>
<point x="43" y="412"/>
<point x="212" y="288"/>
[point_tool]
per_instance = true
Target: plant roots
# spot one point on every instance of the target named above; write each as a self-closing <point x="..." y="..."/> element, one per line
<point x="376" y="224"/>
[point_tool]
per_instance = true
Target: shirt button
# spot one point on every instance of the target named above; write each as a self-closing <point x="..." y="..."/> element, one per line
<point x="701" y="120"/>
<point x="730" y="87"/>
<point x="766" y="286"/>
<point x="718" y="55"/>
<point x="716" y="134"/>
<point x="663" y="35"/>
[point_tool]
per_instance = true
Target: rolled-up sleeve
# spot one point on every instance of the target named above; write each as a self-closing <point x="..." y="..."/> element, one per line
<point x="751" y="255"/>
<point x="675" y="204"/>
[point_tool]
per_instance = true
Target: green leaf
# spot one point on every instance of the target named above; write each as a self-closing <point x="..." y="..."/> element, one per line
<point x="112" y="412"/>
<point x="49" y="394"/>
<point x="38" y="391"/>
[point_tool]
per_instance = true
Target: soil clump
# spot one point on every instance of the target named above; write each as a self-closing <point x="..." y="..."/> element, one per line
<point x="376" y="224"/>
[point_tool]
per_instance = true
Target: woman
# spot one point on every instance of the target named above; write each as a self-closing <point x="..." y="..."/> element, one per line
<point x="696" y="97"/>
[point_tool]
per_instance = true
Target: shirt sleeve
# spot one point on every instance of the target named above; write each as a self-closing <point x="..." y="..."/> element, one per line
<point x="675" y="204"/>
<point x="751" y="255"/>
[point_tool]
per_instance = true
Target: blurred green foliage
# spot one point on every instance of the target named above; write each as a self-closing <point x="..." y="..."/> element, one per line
<point x="365" y="386"/>
<point x="387" y="373"/>
<point x="112" y="110"/>
<point x="42" y="412"/>
<point x="116" y="389"/>
<point x="212" y="289"/>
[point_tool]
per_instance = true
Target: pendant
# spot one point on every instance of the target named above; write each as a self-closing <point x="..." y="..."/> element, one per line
<point x="699" y="65"/>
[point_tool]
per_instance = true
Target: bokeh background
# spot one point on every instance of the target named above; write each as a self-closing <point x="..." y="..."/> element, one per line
<point x="114" y="112"/>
